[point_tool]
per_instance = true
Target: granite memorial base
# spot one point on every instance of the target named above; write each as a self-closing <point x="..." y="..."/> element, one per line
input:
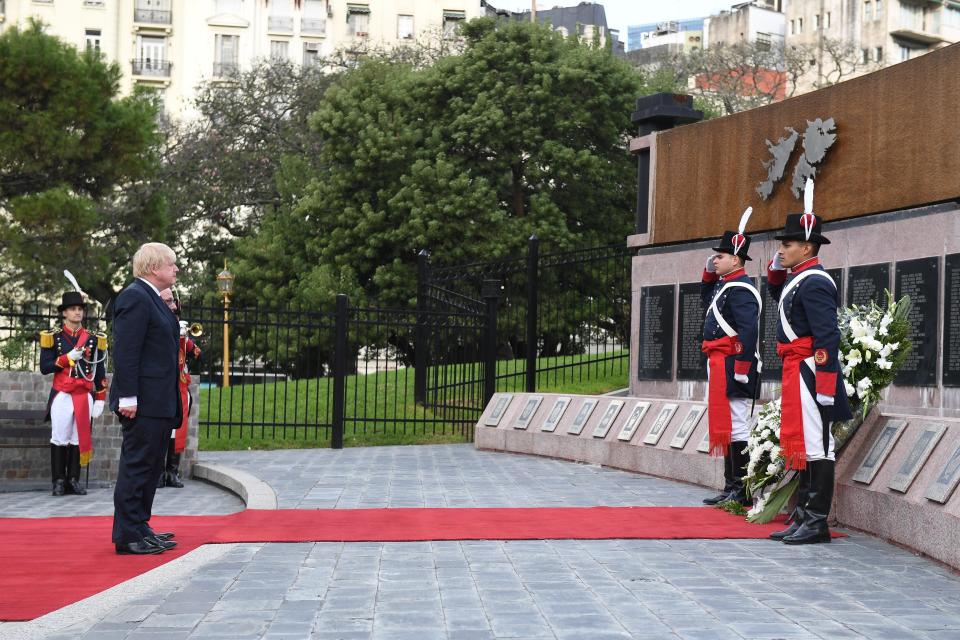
<point x="617" y="432"/>
<point x="896" y="478"/>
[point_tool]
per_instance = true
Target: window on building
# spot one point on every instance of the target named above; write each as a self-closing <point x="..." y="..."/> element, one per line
<point x="151" y="54"/>
<point x="764" y="41"/>
<point x="877" y="9"/>
<point x="904" y="53"/>
<point x="866" y="55"/>
<point x="828" y="20"/>
<point x="226" y="54"/>
<point x="405" y="27"/>
<point x="452" y="21"/>
<point x="816" y="22"/>
<point x="92" y="37"/>
<point x="951" y="16"/>
<point x="799" y="25"/>
<point x="313" y="18"/>
<point x="358" y="20"/>
<point x="279" y="50"/>
<point x="793" y="27"/>
<point x="911" y="16"/>
<point x="878" y="52"/>
<point x="311" y="54"/>
<point x="867" y="10"/>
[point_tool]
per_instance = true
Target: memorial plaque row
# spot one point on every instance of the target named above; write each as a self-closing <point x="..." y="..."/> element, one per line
<point x="918" y="279"/>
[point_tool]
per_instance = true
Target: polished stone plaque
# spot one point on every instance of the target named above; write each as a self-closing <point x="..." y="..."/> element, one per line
<point x="606" y="421"/>
<point x="867" y="282"/>
<point x="633" y="421"/>
<point x="769" y="319"/>
<point x="500" y="403"/>
<point x="660" y="424"/>
<point x="656" y="333"/>
<point x="918" y="279"/>
<point x="951" y="321"/>
<point x="837" y="275"/>
<point x="691" y="361"/>
<point x="946" y="481"/>
<point x="687" y="426"/>
<point x="529" y="409"/>
<point x="583" y="414"/>
<point x="879" y="450"/>
<point x="930" y="435"/>
<point x="704" y="446"/>
<point x="556" y="412"/>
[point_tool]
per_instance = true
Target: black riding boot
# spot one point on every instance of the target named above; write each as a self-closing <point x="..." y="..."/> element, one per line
<point x="796" y="518"/>
<point x="814" y="528"/>
<point x="73" y="471"/>
<point x="728" y="481"/>
<point x="172" y="475"/>
<point x="57" y="468"/>
<point x="740" y="458"/>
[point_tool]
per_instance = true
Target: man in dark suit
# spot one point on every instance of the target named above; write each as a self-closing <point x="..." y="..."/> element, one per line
<point x="144" y="395"/>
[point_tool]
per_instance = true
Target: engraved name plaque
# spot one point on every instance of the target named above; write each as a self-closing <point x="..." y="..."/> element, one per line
<point x="529" y="409"/>
<point x="687" y="426"/>
<point x="606" y="421"/>
<point x="929" y="436"/>
<point x="633" y="421"/>
<point x="500" y="404"/>
<point x="946" y="481"/>
<point x="660" y="424"/>
<point x="691" y="361"/>
<point x="556" y="412"/>
<point x="583" y="415"/>
<point x="656" y="333"/>
<point x="879" y="450"/>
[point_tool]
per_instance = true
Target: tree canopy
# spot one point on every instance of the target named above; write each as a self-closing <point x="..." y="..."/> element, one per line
<point x="67" y="141"/>
<point x="524" y="132"/>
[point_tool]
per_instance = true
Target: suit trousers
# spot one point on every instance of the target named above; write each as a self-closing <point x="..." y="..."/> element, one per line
<point x="142" y="456"/>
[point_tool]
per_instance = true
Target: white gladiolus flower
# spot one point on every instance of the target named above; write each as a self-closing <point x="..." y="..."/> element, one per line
<point x="849" y="387"/>
<point x="854" y="357"/>
<point x="867" y="355"/>
<point x="765" y="433"/>
<point x="884" y="364"/>
<point x="863" y="386"/>
<point x="772" y="468"/>
<point x="768" y="445"/>
<point x="775" y="452"/>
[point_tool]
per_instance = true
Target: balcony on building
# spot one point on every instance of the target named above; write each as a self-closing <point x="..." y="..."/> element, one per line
<point x="150" y="15"/>
<point x="280" y="24"/>
<point x="313" y="26"/>
<point x="151" y="68"/>
<point x="225" y="69"/>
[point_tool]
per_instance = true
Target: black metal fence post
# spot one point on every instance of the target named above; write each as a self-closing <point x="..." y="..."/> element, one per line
<point x="421" y="339"/>
<point x="533" y="296"/>
<point x="490" y="292"/>
<point x="339" y="372"/>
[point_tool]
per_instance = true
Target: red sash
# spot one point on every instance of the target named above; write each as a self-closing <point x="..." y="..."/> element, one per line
<point x="180" y="441"/>
<point x="79" y="390"/>
<point x="791" y="409"/>
<point x="718" y="406"/>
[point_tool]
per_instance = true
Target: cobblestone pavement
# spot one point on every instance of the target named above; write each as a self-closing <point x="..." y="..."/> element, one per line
<point x="857" y="587"/>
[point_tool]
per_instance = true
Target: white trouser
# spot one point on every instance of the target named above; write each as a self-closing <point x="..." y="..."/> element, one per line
<point x="63" y="426"/>
<point x="739" y="414"/>
<point x="812" y="422"/>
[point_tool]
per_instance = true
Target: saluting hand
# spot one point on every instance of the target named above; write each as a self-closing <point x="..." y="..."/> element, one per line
<point x="710" y="267"/>
<point x="777" y="265"/>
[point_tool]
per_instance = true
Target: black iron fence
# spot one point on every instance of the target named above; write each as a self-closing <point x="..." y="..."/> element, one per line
<point x="562" y="318"/>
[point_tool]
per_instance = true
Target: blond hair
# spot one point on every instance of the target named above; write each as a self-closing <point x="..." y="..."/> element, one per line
<point x="150" y="256"/>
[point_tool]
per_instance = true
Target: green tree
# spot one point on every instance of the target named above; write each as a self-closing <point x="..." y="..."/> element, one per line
<point x="67" y="145"/>
<point x="523" y="133"/>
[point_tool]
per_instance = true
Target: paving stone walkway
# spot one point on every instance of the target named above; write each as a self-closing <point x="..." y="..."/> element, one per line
<point x="857" y="587"/>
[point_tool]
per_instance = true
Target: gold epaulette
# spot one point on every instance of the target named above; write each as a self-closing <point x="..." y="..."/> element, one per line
<point x="46" y="339"/>
<point x="101" y="341"/>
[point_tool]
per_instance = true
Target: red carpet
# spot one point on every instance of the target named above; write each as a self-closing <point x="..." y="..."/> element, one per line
<point x="49" y="563"/>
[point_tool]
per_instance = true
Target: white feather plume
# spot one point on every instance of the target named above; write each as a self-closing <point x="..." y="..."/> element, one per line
<point x="808" y="196"/>
<point x="743" y="220"/>
<point x="73" y="281"/>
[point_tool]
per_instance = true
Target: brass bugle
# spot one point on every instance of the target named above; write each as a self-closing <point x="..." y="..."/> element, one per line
<point x="196" y="330"/>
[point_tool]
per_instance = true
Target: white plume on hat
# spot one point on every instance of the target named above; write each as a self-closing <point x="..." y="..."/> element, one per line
<point x="738" y="240"/>
<point x="808" y="220"/>
<point x="73" y="281"/>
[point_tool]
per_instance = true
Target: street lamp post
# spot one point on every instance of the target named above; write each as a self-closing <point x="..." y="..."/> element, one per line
<point x="225" y="285"/>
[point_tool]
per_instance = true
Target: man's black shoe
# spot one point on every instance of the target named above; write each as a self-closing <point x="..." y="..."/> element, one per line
<point x="139" y="548"/>
<point x="74" y="486"/>
<point x="157" y="542"/>
<point x="58" y="488"/>
<point x="165" y="535"/>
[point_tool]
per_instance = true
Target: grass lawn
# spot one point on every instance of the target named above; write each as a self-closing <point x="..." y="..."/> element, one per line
<point x="379" y="406"/>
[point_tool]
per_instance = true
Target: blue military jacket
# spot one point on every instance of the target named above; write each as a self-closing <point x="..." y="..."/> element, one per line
<point x="811" y="309"/>
<point x="740" y="310"/>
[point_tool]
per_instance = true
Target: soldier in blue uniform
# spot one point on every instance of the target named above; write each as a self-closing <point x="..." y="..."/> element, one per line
<point x="730" y="331"/>
<point x="808" y="341"/>
<point x="75" y="358"/>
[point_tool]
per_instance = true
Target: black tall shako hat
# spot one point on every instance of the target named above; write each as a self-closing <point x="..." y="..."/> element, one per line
<point x="804" y="226"/>
<point x="72" y="298"/>
<point x="736" y="242"/>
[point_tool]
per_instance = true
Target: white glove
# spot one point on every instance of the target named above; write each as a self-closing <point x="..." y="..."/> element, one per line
<point x="709" y="267"/>
<point x="777" y="265"/>
<point x="183" y="328"/>
<point x="75" y="354"/>
<point x="826" y="401"/>
<point x="741" y="378"/>
<point x="97" y="408"/>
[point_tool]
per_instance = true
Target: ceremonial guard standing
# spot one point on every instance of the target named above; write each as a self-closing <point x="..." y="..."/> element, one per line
<point x="808" y="341"/>
<point x="188" y="351"/>
<point x="75" y="357"/>
<point x="730" y="332"/>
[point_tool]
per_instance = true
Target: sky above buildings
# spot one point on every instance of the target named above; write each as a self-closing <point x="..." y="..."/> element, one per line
<point x="623" y="13"/>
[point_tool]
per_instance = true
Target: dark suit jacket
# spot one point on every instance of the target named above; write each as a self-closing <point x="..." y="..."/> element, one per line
<point x="145" y="346"/>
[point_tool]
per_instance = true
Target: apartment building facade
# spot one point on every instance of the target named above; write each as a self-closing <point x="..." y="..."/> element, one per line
<point x="174" y="45"/>
<point x="881" y="32"/>
<point x="759" y="22"/>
